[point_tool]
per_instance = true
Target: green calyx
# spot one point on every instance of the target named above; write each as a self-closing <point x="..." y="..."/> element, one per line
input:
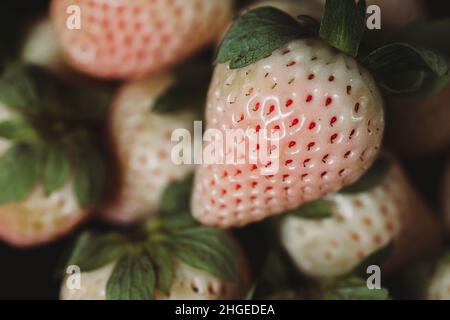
<point x="413" y="65"/>
<point x="145" y="257"/>
<point x="52" y="137"/>
<point x="258" y="33"/>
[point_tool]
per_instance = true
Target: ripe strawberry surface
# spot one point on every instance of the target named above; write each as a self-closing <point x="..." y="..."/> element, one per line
<point x="329" y="116"/>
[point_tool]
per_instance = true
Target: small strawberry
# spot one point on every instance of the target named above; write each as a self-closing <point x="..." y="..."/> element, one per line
<point x="42" y="48"/>
<point x="132" y="38"/>
<point x="141" y="134"/>
<point x="439" y="282"/>
<point x="381" y="209"/>
<point x="175" y="259"/>
<point x="52" y="172"/>
<point x="325" y="106"/>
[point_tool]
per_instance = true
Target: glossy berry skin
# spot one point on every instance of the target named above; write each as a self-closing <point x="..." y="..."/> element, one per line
<point x="328" y="113"/>
<point x="188" y="284"/>
<point x="38" y="219"/>
<point x="361" y="224"/>
<point x="131" y="38"/>
<point x="141" y="140"/>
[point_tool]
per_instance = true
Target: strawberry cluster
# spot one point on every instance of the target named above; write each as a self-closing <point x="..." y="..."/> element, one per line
<point x="94" y="102"/>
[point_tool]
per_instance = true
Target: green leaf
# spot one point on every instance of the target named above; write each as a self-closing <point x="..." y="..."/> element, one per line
<point x="18" y="130"/>
<point x="319" y="209"/>
<point x="17" y="90"/>
<point x="177" y="196"/>
<point x="187" y="92"/>
<point x="28" y="89"/>
<point x="405" y="68"/>
<point x="353" y="289"/>
<point x="343" y="24"/>
<point x="56" y="170"/>
<point x="19" y="171"/>
<point x="179" y="220"/>
<point x="163" y="261"/>
<point x="376" y="258"/>
<point x="256" y="34"/>
<point x="91" y="177"/>
<point x="93" y="251"/>
<point x="207" y="249"/>
<point x="372" y="178"/>
<point x="133" y="278"/>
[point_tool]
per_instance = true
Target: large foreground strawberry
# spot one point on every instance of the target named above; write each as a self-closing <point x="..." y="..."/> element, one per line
<point x="324" y="105"/>
<point x="332" y="236"/>
<point x="52" y="171"/>
<point x="141" y="135"/>
<point x="173" y="259"/>
<point x="131" y="38"/>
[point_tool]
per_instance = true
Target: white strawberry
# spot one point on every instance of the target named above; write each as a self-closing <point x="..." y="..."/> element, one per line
<point x="43" y="193"/>
<point x="39" y="218"/>
<point x="361" y="224"/>
<point x="132" y="38"/>
<point x="439" y="283"/>
<point x="142" y="142"/>
<point x="188" y="284"/>
<point x="169" y="256"/>
<point x="328" y="112"/>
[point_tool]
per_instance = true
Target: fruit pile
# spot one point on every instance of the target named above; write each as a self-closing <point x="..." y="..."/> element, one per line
<point x="351" y="201"/>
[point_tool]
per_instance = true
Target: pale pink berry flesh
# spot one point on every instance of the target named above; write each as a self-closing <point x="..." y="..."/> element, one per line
<point x="329" y="116"/>
<point x="131" y="38"/>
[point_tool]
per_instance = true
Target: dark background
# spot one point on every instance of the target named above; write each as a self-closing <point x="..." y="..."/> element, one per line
<point x="30" y="274"/>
